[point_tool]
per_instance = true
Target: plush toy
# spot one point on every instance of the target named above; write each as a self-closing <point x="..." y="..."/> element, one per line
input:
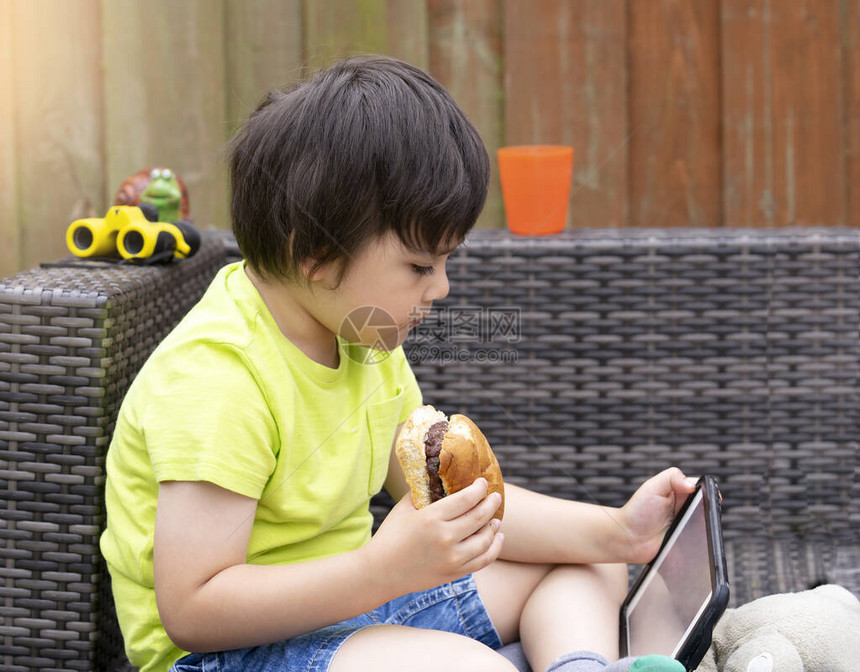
<point x="813" y="631"/>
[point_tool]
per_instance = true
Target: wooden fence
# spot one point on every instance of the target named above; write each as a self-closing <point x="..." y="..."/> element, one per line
<point x="681" y="112"/>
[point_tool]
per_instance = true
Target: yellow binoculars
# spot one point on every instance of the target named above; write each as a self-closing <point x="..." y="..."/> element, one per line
<point x="126" y="231"/>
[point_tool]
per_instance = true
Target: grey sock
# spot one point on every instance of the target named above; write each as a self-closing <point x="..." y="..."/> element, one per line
<point x="587" y="661"/>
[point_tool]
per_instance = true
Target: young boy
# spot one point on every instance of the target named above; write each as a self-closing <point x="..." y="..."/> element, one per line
<point x="248" y="447"/>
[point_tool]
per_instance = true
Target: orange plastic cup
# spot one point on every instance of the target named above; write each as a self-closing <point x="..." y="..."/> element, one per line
<point x="536" y="187"/>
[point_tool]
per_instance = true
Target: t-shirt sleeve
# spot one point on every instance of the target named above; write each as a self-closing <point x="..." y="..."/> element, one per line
<point x="210" y="421"/>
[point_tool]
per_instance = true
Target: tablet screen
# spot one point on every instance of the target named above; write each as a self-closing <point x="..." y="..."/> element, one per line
<point x="676" y="590"/>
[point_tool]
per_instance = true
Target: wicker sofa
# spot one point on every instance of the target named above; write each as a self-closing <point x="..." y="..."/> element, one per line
<point x="591" y="360"/>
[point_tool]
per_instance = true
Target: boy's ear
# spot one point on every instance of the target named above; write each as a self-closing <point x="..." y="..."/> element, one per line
<point x="315" y="272"/>
<point x="306" y="265"/>
<point x="312" y="271"/>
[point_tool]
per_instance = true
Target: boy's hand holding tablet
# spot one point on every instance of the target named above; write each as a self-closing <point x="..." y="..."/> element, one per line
<point x="676" y="602"/>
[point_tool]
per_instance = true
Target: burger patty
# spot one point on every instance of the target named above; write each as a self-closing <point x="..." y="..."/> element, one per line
<point x="432" y="448"/>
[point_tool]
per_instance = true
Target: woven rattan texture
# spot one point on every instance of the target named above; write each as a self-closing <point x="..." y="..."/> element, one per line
<point x="590" y="359"/>
<point x="71" y="340"/>
<point x="594" y="359"/>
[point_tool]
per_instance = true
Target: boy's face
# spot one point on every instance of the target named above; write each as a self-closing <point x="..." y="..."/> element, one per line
<point x="386" y="291"/>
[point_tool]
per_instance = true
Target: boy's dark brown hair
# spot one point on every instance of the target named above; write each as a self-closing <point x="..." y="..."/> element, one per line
<point x="368" y="146"/>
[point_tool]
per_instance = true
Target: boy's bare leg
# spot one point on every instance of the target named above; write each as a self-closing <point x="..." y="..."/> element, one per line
<point x="395" y="647"/>
<point x="574" y="609"/>
<point x="551" y="610"/>
<point x="505" y="587"/>
<point x="555" y="610"/>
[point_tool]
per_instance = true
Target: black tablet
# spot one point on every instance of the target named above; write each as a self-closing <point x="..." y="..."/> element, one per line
<point x="677" y="600"/>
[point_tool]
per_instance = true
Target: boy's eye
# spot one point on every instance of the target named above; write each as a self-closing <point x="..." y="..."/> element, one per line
<point x="423" y="270"/>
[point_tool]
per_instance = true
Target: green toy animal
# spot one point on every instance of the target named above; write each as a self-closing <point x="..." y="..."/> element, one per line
<point x="812" y="631"/>
<point x="164" y="193"/>
<point x="160" y="187"/>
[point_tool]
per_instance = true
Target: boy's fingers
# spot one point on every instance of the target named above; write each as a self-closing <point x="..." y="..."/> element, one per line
<point x="672" y="476"/>
<point x="455" y="505"/>
<point x="488" y="556"/>
<point x="674" y="480"/>
<point x="683" y="481"/>
<point x="480" y="542"/>
<point x="406" y="501"/>
<point x="683" y="486"/>
<point x="481" y="514"/>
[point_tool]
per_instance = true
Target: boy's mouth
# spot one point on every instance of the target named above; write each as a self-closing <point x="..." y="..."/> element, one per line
<point x="421" y="313"/>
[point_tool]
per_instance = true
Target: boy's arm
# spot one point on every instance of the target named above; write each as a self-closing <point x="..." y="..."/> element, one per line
<point x="210" y="599"/>
<point x="539" y="528"/>
<point x="546" y="529"/>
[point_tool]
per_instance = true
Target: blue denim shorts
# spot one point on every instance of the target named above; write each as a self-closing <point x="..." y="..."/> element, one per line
<point x="454" y="607"/>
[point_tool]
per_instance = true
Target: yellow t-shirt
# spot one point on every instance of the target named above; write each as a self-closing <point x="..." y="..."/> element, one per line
<point x="227" y="399"/>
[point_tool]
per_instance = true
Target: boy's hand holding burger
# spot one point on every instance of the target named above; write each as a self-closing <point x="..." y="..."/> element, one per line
<point x="449" y="464"/>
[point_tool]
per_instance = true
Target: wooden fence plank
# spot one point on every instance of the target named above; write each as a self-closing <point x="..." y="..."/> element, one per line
<point x="58" y="122"/>
<point x="408" y="31"/>
<point x="164" y="70"/>
<point x="9" y="235"/>
<point x="851" y="40"/>
<point x="675" y="170"/>
<point x="335" y="29"/>
<point x="771" y="139"/>
<point x="783" y="113"/>
<point x="566" y="83"/>
<point x="263" y="50"/>
<point x="466" y="58"/>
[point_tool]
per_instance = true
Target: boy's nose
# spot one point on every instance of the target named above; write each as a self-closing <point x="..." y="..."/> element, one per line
<point x="438" y="289"/>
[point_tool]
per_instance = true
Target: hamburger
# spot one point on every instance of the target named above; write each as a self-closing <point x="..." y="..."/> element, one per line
<point x="440" y="456"/>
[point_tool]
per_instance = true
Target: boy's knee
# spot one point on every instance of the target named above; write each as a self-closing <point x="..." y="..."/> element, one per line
<point x="610" y="579"/>
<point x="484" y="659"/>
<point x="617" y="579"/>
<point x="470" y="654"/>
<point x="463" y="653"/>
<point x="395" y="647"/>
